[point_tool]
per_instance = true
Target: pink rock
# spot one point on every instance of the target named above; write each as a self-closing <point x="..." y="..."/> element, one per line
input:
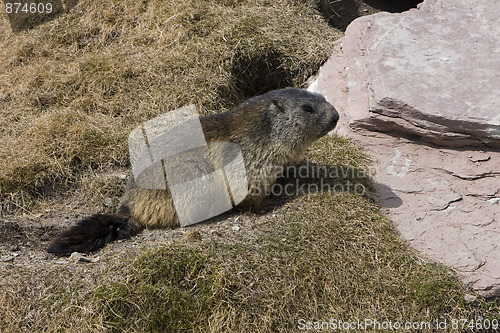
<point x="421" y="75"/>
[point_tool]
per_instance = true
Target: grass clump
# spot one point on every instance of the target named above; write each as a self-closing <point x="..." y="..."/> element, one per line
<point x="46" y="299"/>
<point x="170" y="290"/>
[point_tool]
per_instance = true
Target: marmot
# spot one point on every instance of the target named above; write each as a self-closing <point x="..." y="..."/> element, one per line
<point x="272" y="130"/>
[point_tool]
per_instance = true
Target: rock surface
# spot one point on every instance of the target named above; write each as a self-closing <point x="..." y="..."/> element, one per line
<point x="430" y="78"/>
<point x="425" y="72"/>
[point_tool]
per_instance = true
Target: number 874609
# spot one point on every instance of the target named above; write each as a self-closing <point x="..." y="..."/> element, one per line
<point x="28" y="8"/>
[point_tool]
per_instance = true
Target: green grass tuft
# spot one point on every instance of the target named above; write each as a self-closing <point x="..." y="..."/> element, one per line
<point x="171" y="290"/>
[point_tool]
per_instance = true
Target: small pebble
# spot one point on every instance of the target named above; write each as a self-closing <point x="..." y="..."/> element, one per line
<point x="177" y="233"/>
<point x="470" y="298"/>
<point x="75" y="256"/>
<point x="236" y="228"/>
<point x="78" y="257"/>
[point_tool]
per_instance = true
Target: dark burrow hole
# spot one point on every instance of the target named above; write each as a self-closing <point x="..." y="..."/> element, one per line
<point x="340" y="13"/>
<point x="259" y="74"/>
<point x="393" y="6"/>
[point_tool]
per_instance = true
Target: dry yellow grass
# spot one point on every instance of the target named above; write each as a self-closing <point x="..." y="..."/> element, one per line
<point x="71" y="89"/>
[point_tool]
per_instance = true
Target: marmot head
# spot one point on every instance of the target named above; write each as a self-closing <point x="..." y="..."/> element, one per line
<point x="277" y="126"/>
<point x="295" y="118"/>
<point x="300" y="113"/>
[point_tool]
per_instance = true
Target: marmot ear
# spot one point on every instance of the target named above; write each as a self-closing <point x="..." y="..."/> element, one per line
<point x="276" y="105"/>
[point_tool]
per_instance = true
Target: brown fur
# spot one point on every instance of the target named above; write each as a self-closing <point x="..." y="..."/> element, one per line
<point x="251" y="126"/>
<point x="272" y="130"/>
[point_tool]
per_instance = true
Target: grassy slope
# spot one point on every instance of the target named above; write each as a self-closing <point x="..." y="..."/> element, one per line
<point x="72" y="90"/>
<point x="316" y="257"/>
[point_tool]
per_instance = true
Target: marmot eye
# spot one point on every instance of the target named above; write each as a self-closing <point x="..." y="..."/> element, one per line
<point x="307" y="108"/>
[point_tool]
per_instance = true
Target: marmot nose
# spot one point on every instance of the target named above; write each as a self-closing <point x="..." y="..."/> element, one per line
<point x="335" y="115"/>
<point x="332" y="121"/>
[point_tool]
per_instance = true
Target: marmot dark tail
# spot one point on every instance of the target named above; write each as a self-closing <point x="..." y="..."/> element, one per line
<point x="92" y="233"/>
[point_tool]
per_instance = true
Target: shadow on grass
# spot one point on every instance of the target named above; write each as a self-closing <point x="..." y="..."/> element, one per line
<point x="309" y="178"/>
